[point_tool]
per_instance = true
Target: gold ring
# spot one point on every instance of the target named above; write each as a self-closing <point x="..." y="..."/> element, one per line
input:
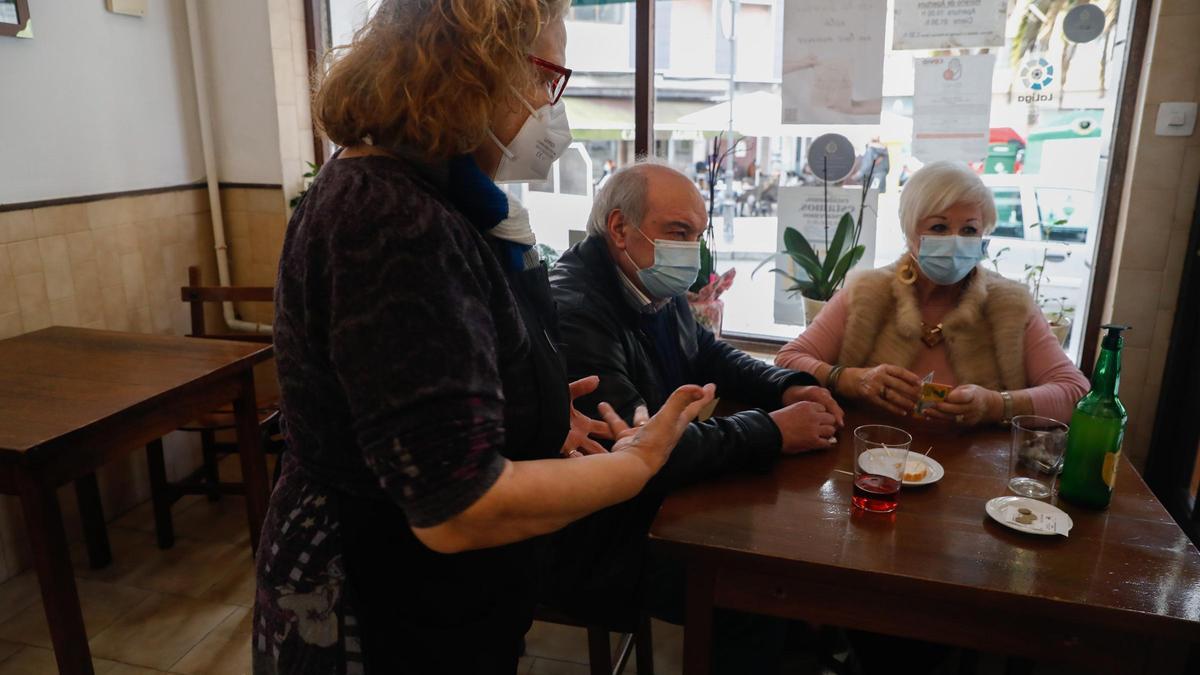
<point x="960" y="418"/>
<point x="883" y="393"/>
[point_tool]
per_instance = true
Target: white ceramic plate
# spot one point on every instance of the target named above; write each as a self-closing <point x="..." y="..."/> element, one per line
<point x="871" y="458"/>
<point x="997" y="508"/>
<point x="932" y="475"/>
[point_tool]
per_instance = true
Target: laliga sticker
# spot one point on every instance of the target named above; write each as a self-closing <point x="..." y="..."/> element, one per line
<point x="1039" y="78"/>
<point x="831" y="157"/>
<point x="1083" y="23"/>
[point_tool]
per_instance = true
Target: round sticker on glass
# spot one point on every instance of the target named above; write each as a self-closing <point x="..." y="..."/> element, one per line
<point x="1083" y="23"/>
<point x="831" y="157"/>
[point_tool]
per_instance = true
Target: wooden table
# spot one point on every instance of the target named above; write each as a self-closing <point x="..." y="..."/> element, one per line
<point x="72" y="400"/>
<point x="1120" y="595"/>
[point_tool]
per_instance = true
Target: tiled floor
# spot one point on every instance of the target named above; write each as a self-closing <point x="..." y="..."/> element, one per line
<point x="188" y="609"/>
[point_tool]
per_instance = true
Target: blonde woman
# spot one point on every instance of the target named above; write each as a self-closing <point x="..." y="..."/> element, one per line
<point x="431" y="433"/>
<point x="939" y="310"/>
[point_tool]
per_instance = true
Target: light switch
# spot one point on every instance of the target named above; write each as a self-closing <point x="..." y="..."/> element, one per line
<point x="1175" y="119"/>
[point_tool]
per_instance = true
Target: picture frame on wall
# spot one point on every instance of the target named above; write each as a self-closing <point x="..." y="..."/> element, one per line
<point x="14" y="18"/>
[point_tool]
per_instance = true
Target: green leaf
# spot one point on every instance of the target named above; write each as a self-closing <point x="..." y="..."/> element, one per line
<point x="844" y="228"/>
<point x="798" y="248"/>
<point x="844" y="265"/>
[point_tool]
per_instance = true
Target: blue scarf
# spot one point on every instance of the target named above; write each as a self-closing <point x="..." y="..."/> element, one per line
<point x="484" y="204"/>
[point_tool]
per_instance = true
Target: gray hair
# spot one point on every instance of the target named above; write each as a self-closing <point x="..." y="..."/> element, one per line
<point x="625" y="190"/>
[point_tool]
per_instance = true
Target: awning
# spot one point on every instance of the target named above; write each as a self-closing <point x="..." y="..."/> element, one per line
<point x="594" y="118"/>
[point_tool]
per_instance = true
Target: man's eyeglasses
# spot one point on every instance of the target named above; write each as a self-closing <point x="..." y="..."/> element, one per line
<point x="558" y="84"/>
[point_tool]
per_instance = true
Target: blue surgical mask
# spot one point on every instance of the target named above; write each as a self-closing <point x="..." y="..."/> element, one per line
<point x="676" y="266"/>
<point x="948" y="260"/>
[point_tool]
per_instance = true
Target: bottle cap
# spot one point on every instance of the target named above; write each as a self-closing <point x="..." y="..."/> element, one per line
<point x="1112" y="339"/>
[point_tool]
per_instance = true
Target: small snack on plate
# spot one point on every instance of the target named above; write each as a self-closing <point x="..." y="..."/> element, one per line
<point x="932" y="393"/>
<point x="915" y="470"/>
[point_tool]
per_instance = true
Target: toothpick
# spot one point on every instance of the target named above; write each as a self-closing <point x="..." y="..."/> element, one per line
<point x="927" y="451"/>
<point x="848" y="473"/>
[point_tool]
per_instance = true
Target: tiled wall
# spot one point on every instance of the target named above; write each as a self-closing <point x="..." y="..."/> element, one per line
<point x="255" y="220"/>
<point x="1158" y="204"/>
<point x="289" y="52"/>
<point x="113" y="264"/>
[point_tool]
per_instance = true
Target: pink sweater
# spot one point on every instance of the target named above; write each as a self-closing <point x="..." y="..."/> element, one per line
<point x="1056" y="385"/>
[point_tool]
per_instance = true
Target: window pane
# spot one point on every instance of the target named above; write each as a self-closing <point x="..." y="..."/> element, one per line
<point x="1046" y="164"/>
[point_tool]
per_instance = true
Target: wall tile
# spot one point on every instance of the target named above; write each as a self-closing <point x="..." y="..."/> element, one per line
<point x="1174" y="54"/>
<point x="108" y="265"/>
<point x="10" y="326"/>
<point x="168" y="230"/>
<point x="116" y="313"/>
<point x="281" y="37"/>
<point x="8" y="285"/>
<point x="127" y="238"/>
<point x="1159" y="161"/>
<point x="1131" y="306"/>
<point x="59" y="219"/>
<point x="16" y="226"/>
<point x="191" y="201"/>
<point x="1189" y="182"/>
<point x="64" y="313"/>
<point x="1148" y="228"/>
<point x="110" y="212"/>
<point x="82" y="247"/>
<point x="31" y="292"/>
<point x="265" y="201"/>
<point x="36" y="319"/>
<point x="88" y="298"/>
<point x="1177" y="254"/>
<point x="285" y="93"/>
<point x="133" y="280"/>
<point x="25" y="257"/>
<point x="235" y="199"/>
<point x="237" y="224"/>
<point x="1178" y="7"/>
<point x="56" y="265"/>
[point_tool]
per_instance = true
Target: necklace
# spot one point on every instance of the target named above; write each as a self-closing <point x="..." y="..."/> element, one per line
<point x="932" y="337"/>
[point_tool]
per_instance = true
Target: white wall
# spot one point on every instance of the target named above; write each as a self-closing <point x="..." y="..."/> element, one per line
<point x="97" y="102"/>
<point x="237" y="36"/>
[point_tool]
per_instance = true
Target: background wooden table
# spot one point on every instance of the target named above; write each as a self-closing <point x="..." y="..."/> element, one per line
<point x="1120" y="595"/>
<point x="72" y="399"/>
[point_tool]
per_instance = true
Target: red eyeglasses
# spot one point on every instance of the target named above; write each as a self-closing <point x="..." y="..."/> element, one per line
<point x="556" y="86"/>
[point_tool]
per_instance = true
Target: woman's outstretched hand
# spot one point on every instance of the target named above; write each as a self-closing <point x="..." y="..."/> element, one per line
<point x="654" y="438"/>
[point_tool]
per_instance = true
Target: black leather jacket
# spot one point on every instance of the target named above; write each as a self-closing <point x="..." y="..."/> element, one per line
<point x="601" y="336"/>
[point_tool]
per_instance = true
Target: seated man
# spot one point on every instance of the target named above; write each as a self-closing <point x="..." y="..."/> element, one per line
<point x="623" y="317"/>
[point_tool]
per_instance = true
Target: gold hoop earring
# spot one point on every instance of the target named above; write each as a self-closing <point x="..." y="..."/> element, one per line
<point x="906" y="273"/>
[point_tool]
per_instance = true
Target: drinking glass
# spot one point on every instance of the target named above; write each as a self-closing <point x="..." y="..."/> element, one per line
<point x="1036" y="455"/>
<point x="879" y="455"/>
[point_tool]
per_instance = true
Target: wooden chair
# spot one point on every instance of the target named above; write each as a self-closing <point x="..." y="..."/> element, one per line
<point x="602" y="662"/>
<point x="207" y="479"/>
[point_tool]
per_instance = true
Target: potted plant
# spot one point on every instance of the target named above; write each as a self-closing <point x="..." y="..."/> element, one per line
<point x="822" y="276"/>
<point x="704" y="296"/>
<point x="1060" y="319"/>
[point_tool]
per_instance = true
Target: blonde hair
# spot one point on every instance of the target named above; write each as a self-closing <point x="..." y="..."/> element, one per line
<point x="938" y="186"/>
<point x="429" y="74"/>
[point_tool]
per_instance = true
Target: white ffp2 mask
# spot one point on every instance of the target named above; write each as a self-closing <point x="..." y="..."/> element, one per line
<point x="543" y="138"/>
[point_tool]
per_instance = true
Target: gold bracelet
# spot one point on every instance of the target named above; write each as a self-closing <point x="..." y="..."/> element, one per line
<point x="1006" y="419"/>
<point x="832" y="379"/>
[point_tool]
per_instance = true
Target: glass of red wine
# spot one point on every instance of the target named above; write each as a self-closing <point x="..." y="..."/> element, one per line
<point x="880" y="453"/>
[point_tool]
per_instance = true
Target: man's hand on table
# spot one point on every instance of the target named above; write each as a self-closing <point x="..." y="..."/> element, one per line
<point x="815" y="395"/>
<point x="805" y="426"/>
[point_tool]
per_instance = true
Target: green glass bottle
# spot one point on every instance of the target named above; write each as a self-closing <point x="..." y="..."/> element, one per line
<point x="1097" y="429"/>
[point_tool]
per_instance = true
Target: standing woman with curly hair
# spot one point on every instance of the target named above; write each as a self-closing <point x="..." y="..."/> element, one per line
<point x="431" y="434"/>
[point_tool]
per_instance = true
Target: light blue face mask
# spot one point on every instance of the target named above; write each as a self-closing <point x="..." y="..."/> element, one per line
<point x="948" y="260"/>
<point x="676" y="266"/>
